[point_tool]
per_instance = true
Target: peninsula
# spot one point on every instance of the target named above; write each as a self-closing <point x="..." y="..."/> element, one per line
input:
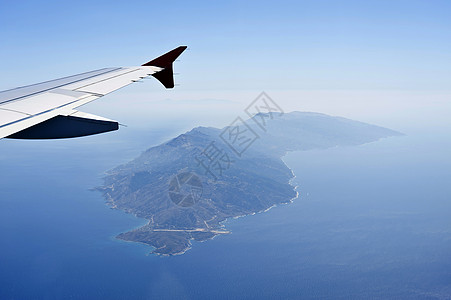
<point x="187" y="187"/>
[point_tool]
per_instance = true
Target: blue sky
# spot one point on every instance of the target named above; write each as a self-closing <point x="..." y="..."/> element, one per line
<point x="235" y="45"/>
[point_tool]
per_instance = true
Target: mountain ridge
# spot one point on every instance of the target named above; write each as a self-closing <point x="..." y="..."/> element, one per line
<point x="183" y="201"/>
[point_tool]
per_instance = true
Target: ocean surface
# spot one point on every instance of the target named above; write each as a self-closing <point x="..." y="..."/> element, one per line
<point x="371" y="222"/>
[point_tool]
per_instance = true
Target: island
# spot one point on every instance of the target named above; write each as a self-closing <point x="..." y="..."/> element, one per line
<point x="187" y="187"/>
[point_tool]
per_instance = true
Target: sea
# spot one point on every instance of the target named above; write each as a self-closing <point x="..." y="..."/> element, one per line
<point x="371" y="222"/>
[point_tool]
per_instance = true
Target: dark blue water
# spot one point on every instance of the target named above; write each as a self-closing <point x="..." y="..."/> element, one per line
<point x="372" y="221"/>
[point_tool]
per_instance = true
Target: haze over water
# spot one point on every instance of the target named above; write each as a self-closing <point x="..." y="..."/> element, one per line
<point x="371" y="221"/>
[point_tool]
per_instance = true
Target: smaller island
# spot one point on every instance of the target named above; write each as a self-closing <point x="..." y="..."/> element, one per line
<point x="187" y="187"/>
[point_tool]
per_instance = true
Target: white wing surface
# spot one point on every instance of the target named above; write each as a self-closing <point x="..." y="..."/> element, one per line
<point x="47" y="110"/>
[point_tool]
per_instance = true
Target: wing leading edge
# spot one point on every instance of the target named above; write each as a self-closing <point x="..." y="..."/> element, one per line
<point x="47" y="110"/>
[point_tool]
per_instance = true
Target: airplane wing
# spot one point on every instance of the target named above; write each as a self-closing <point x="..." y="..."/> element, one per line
<point x="47" y="110"/>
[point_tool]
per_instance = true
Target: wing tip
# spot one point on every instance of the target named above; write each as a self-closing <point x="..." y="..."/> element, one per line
<point x="166" y="76"/>
<point x="166" y="59"/>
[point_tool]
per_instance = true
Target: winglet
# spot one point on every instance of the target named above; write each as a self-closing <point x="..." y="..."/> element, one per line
<point x="166" y="76"/>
